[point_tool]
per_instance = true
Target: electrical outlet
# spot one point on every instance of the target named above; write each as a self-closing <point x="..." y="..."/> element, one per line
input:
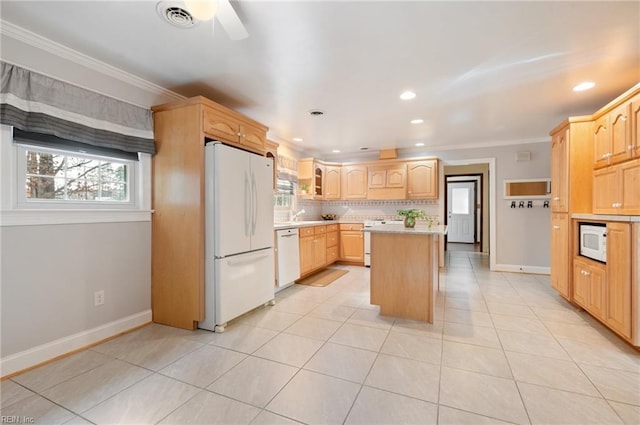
<point x="98" y="298"/>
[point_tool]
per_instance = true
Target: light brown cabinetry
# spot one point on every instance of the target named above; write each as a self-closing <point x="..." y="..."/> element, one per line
<point x="318" y="247"/>
<point x="619" y="272"/>
<point x="633" y="149"/>
<point x="232" y="129"/>
<point x="351" y="243"/>
<point x="616" y="189"/>
<point x="331" y="182"/>
<point x="387" y="181"/>
<point x="354" y="182"/>
<point x="612" y="136"/>
<point x="589" y="283"/>
<point x="571" y="168"/>
<point x="422" y="179"/>
<point x="178" y="223"/>
<point x="560" y="276"/>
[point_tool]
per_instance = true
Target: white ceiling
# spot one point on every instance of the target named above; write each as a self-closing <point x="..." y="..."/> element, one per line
<point x="485" y="73"/>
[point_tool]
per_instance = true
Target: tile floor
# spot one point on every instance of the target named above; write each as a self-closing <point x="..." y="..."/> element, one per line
<point x="504" y="349"/>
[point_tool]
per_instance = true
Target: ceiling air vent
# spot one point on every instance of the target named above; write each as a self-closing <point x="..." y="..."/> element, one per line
<point x="175" y="14"/>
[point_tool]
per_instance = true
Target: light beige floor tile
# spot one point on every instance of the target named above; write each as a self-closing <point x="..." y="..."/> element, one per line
<point x="120" y="346"/>
<point x="10" y="393"/>
<point x="616" y="385"/>
<point x="290" y="349"/>
<point x="555" y="315"/>
<point x="246" y="339"/>
<point x="268" y="418"/>
<point x="313" y="327"/>
<point x="204" y="365"/>
<point x="313" y="398"/>
<point x="538" y="344"/>
<point x="371" y="317"/>
<point x="519" y="324"/>
<point x="347" y="299"/>
<point x="450" y="416"/>
<point x="549" y="406"/>
<point x="87" y="390"/>
<point x="485" y="395"/>
<point x="614" y="356"/>
<point x="357" y="336"/>
<point x="559" y="374"/>
<point x="510" y="309"/>
<point x="375" y="406"/>
<point x="269" y="318"/>
<point x="475" y="335"/>
<point x="473" y="304"/>
<point x="77" y="420"/>
<point x="584" y="332"/>
<point x="52" y="374"/>
<point x="468" y="317"/>
<point x="212" y="409"/>
<point x="146" y="402"/>
<point x="36" y="409"/>
<point x="629" y="414"/>
<point x="338" y="313"/>
<point x="341" y="361"/>
<point x="158" y="353"/>
<point x="475" y="358"/>
<point x="405" y="376"/>
<point x="295" y="306"/>
<point x="254" y="381"/>
<point x="433" y="330"/>
<point x="413" y="347"/>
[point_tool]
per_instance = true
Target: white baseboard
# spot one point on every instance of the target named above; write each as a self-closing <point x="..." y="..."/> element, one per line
<point x="42" y="353"/>
<point x="521" y="269"/>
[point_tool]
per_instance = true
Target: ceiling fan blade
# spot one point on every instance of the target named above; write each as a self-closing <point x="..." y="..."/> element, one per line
<point x="230" y="21"/>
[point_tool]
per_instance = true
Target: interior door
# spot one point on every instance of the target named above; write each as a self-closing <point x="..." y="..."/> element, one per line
<point x="460" y="212"/>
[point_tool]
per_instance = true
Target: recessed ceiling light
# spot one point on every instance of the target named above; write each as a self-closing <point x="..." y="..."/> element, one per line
<point x="297" y="139"/>
<point x="408" y="95"/>
<point x="417" y="121"/>
<point x="585" y="85"/>
<point x="419" y="144"/>
<point x="336" y="151"/>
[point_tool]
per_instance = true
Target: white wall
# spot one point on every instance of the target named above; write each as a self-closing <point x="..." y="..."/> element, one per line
<point x="49" y="273"/>
<point x="522" y="235"/>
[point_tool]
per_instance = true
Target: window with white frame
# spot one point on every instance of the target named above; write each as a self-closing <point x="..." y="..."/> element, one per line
<point x="50" y="175"/>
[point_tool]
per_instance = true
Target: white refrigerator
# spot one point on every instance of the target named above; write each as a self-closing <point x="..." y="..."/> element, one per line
<point x="239" y="263"/>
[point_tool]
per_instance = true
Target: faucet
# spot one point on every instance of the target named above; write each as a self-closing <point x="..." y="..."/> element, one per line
<point x="294" y="217"/>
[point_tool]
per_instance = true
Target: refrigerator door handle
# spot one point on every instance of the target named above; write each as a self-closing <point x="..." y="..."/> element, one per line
<point x="247" y="204"/>
<point x="254" y="207"/>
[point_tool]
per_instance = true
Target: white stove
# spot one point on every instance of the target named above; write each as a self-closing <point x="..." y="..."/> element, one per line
<point x="367" y="238"/>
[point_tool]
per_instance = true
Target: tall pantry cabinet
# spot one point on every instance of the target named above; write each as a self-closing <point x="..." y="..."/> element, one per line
<point x="178" y="221"/>
<point x="571" y="183"/>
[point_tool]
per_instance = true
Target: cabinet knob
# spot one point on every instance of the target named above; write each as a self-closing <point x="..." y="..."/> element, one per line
<point x="557" y="198"/>
<point x="630" y="147"/>
<point x="556" y="227"/>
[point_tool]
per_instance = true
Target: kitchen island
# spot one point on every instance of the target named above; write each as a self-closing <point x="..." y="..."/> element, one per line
<point x="404" y="269"/>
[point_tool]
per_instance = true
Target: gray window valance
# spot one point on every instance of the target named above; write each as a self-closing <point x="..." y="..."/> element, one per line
<point x="36" y="103"/>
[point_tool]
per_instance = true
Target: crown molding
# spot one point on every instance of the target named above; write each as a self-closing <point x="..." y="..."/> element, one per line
<point x="18" y="33"/>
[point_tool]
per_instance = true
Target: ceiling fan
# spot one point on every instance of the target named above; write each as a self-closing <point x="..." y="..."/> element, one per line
<point x="207" y="10"/>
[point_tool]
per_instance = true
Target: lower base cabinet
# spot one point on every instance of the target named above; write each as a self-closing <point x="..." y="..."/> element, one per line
<point x="589" y="287"/>
<point x="351" y="243"/>
<point x="318" y="247"/>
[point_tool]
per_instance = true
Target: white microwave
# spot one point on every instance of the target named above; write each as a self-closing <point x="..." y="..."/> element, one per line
<point x="593" y="241"/>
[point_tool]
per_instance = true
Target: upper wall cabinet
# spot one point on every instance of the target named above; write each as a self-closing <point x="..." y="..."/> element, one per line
<point x="234" y="129"/>
<point x="387" y="181"/>
<point x="331" y="182"/>
<point x="612" y="137"/>
<point x="354" y="182"/>
<point x="422" y="179"/>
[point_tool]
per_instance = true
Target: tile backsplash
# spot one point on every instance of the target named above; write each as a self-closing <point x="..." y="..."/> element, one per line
<point x="363" y="210"/>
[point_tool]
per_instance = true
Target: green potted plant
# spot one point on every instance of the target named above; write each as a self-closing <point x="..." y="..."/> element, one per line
<point x="303" y="189"/>
<point x="410" y="216"/>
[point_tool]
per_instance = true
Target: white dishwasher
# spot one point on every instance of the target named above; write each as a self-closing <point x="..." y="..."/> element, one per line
<point x="288" y="253"/>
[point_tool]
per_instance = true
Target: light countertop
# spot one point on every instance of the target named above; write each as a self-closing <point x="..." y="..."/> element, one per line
<point x="605" y="217"/>
<point x="420" y="229"/>
<point x="297" y="224"/>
